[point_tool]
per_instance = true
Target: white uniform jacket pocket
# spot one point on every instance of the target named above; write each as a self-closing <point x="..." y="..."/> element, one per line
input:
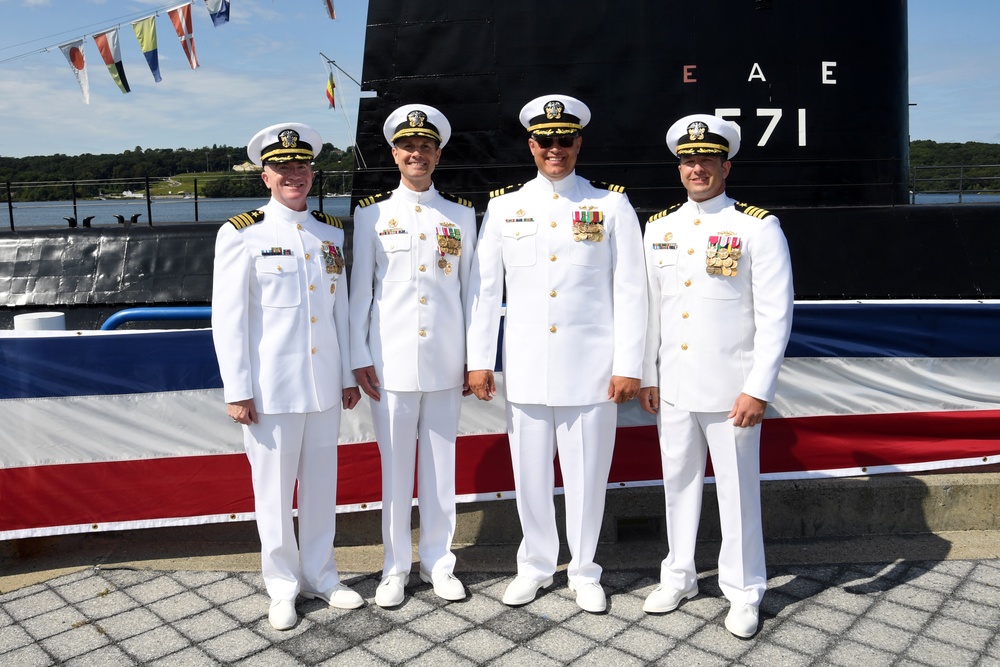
<point x="278" y="277"/>
<point x="519" y="239"/>
<point x="394" y="255"/>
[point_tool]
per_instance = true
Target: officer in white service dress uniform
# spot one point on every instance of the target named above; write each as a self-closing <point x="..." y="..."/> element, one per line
<point x="570" y="251"/>
<point x="280" y="327"/>
<point x="720" y="313"/>
<point x="413" y="249"/>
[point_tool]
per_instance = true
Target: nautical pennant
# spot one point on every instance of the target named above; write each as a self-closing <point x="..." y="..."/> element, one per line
<point x="145" y="32"/>
<point x="180" y="16"/>
<point x="74" y="54"/>
<point x="329" y="8"/>
<point x="219" y="11"/>
<point x="330" y="86"/>
<point x="107" y="44"/>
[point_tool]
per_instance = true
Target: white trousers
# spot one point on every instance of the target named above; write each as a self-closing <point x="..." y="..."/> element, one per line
<point x="685" y="437"/>
<point x="404" y="420"/>
<point x="584" y="437"/>
<point x="284" y="448"/>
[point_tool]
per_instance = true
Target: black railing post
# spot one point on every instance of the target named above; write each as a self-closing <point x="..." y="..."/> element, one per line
<point x="196" y="200"/>
<point x="319" y="189"/>
<point x="10" y="207"/>
<point x="149" y="203"/>
<point x="73" y="189"/>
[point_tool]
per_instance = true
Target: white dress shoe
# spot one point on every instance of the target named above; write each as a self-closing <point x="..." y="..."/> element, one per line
<point x="590" y="597"/>
<point x="446" y="585"/>
<point x="340" y="596"/>
<point x="742" y="620"/>
<point x="390" y="592"/>
<point x="664" y="599"/>
<point x="523" y="590"/>
<point x="282" y="614"/>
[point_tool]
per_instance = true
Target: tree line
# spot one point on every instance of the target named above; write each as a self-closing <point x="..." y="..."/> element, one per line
<point x="49" y="174"/>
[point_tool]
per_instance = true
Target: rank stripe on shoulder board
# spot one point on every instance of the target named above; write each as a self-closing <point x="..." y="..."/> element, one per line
<point x="244" y="220"/>
<point x="754" y="211"/>
<point x="368" y="201"/>
<point x="506" y="190"/>
<point x="664" y="213"/>
<point x="601" y="185"/>
<point x="455" y="198"/>
<point x="328" y="219"/>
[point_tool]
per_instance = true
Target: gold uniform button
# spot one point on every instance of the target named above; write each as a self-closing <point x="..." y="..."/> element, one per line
<point x="555" y="195"/>
<point x="684" y="346"/>
<point x="517" y="233"/>
<point x="697" y="221"/>
<point x="553" y="224"/>
<point x="308" y="256"/>
<point x="423" y="333"/>
<point x="314" y="350"/>
<point x="687" y="283"/>
<point x="423" y="300"/>
<point x="552" y="328"/>
<point x="552" y="258"/>
<point x="298" y="226"/>
<point x="418" y="209"/>
<point x="312" y="288"/>
<point x="685" y="315"/>
<point x="552" y="294"/>
<point x="690" y="251"/>
<point x="313" y="319"/>
<point x="423" y="268"/>
<point x="423" y="237"/>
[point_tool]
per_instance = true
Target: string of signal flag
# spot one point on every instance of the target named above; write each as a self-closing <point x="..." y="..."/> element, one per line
<point x="145" y="32"/>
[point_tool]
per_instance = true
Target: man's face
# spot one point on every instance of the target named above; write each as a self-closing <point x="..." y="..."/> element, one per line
<point x="556" y="161"/>
<point x="704" y="176"/>
<point x="416" y="158"/>
<point x="289" y="182"/>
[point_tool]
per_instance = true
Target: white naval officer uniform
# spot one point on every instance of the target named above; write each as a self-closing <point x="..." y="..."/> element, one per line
<point x="280" y="327"/>
<point x="407" y="320"/>
<point x="576" y="316"/>
<point x="709" y="338"/>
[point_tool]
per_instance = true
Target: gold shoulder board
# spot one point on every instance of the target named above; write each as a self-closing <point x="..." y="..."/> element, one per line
<point x="601" y="185"/>
<point x="246" y="219"/>
<point x="367" y="201"/>
<point x="328" y="219"/>
<point x="456" y="199"/>
<point x="506" y="190"/>
<point x="664" y="213"/>
<point x="754" y="211"/>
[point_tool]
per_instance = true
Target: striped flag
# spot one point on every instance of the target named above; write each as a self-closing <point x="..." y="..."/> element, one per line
<point x="219" y="11"/>
<point x="329" y="8"/>
<point x="180" y="16"/>
<point x="330" y="86"/>
<point x="107" y="44"/>
<point x="145" y="32"/>
<point x="74" y="54"/>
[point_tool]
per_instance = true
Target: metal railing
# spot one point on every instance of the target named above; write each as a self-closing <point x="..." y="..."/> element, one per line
<point x="84" y="195"/>
<point x="958" y="180"/>
<point x="163" y="313"/>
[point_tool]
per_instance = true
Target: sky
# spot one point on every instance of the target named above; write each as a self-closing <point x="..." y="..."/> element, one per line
<point x="265" y="66"/>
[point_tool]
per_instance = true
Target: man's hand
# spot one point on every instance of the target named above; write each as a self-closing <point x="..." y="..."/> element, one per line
<point x="622" y="389"/>
<point x="351" y="397"/>
<point x="367" y="382"/>
<point x="466" y="389"/>
<point x="242" y="412"/>
<point x="747" y="411"/>
<point x="482" y="385"/>
<point x="649" y="399"/>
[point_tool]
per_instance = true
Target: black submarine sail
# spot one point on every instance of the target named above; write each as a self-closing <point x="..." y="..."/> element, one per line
<point x="819" y="90"/>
